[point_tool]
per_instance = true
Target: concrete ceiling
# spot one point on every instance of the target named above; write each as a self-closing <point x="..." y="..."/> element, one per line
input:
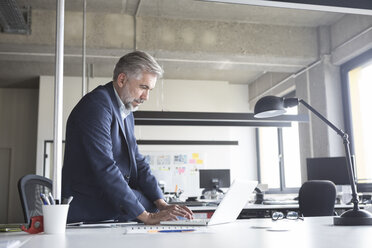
<point x="191" y="39"/>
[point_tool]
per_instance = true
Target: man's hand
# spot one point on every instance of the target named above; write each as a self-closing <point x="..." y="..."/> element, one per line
<point x="167" y="212"/>
<point x="179" y="210"/>
<point x="155" y="218"/>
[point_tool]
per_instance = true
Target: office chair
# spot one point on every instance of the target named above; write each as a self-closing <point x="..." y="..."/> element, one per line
<point x="30" y="187"/>
<point x="317" y="198"/>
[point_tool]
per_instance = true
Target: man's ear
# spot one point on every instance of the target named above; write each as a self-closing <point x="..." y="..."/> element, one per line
<point x="122" y="79"/>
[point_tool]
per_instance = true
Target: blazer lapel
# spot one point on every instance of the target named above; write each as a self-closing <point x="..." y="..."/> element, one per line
<point x="131" y="150"/>
<point x="114" y="101"/>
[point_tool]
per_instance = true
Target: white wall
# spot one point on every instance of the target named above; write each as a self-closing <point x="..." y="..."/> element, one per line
<point x="170" y="95"/>
<point x="71" y="94"/>
<point x="198" y="96"/>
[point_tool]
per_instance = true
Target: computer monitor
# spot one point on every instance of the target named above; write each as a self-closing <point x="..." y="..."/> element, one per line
<point x="364" y="187"/>
<point x="328" y="168"/>
<point x="214" y="179"/>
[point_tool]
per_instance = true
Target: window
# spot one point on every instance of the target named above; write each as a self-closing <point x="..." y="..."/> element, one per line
<point x="269" y="157"/>
<point x="357" y="87"/>
<point x="279" y="156"/>
<point x="291" y="154"/>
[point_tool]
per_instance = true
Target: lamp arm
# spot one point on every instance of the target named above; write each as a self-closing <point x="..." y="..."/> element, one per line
<point x="354" y="192"/>
<point x="337" y="130"/>
<point x="346" y="142"/>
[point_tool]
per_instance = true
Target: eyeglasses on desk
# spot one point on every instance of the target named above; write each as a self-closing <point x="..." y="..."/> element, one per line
<point x="290" y="215"/>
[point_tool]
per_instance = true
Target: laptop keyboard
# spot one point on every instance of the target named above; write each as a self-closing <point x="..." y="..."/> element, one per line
<point x="192" y="203"/>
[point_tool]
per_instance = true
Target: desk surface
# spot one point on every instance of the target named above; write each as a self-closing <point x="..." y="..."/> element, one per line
<point x="313" y="232"/>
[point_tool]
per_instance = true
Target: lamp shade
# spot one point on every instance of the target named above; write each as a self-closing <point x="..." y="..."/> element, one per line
<point x="269" y="106"/>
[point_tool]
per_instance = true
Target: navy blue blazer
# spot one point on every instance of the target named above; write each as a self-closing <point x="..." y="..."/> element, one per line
<point x="102" y="163"/>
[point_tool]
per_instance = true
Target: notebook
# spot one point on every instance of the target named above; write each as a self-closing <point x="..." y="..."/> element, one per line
<point x="229" y="208"/>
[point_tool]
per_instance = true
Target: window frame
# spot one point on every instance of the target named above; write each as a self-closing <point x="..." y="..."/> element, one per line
<point x="363" y="59"/>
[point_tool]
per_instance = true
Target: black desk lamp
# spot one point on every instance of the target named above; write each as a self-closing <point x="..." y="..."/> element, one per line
<point x="270" y="106"/>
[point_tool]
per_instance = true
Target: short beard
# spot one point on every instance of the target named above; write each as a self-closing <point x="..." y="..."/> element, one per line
<point x="130" y="107"/>
<point x="128" y="100"/>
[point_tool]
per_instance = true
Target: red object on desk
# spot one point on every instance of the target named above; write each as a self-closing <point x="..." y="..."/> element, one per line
<point x="36" y="226"/>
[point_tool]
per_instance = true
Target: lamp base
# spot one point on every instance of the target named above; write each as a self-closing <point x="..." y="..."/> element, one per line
<point x="353" y="217"/>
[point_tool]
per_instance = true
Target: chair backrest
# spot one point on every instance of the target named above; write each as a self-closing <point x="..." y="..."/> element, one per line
<point x="317" y="198"/>
<point x="30" y="187"/>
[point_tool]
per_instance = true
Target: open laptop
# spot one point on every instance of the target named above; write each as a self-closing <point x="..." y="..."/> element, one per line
<point x="228" y="210"/>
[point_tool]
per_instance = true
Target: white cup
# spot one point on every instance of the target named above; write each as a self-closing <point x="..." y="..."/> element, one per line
<point x="55" y="218"/>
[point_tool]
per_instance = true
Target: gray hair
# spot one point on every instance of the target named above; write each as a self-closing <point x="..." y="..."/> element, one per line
<point x="135" y="63"/>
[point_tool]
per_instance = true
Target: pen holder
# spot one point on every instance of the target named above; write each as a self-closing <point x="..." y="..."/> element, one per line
<point x="55" y="218"/>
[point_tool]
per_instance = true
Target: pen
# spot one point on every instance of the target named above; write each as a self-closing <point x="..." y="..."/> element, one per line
<point x="44" y="199"/>
<point x="52" y="202"/>
<point x="44" y="202"/>
<point x="69" y="199"/>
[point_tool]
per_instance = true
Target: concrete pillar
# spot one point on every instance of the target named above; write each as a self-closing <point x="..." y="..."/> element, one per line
<point x="320" y="86"/>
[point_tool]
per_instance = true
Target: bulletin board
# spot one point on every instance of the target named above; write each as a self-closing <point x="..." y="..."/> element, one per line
<point x="179" y="171"/>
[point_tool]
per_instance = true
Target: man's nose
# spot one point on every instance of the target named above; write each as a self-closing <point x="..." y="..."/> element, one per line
<point x="145" y="95"/>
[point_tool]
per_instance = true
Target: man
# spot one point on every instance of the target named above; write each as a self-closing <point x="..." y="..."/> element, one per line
<point x="103" y="170"/>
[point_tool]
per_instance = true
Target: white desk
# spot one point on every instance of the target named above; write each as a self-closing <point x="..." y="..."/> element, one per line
<point x="313" y="232"/>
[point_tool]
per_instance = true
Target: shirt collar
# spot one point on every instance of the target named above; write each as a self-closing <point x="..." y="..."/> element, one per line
<point x="124" y="112"/>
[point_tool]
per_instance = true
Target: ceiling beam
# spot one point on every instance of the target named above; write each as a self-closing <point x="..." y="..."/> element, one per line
<point x="363" y="7"/>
